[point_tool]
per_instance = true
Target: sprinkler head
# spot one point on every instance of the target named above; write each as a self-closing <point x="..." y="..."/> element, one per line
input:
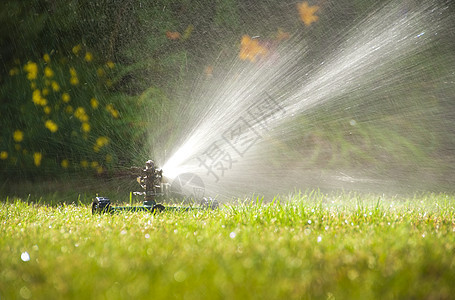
<point x="149" y="164"/>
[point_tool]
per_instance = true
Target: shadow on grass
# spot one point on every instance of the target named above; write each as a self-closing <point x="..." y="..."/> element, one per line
<point x="68" y="189"/>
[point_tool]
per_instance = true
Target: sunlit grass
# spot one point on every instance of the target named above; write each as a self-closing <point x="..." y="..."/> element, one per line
<point x="311" y="245"/>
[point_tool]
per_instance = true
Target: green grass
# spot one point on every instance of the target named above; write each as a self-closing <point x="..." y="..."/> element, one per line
<point x="311" y="246"/>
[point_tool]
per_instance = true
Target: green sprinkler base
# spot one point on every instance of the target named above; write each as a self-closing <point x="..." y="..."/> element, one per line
<point x="103" y="205"/>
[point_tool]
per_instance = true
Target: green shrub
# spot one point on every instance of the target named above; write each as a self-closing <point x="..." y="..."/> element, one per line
<point x="61" y="113"/>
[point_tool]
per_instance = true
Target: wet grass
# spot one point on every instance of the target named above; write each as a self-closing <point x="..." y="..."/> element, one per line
<point x="308" y="246"/>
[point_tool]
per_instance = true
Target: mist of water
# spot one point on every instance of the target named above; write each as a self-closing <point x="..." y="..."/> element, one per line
<point x="233" y="123"/>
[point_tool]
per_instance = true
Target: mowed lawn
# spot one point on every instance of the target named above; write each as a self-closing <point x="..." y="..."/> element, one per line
<point x="308" y="246"/>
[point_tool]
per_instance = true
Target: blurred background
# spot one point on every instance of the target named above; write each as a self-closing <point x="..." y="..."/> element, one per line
<point x="90" y="88"/>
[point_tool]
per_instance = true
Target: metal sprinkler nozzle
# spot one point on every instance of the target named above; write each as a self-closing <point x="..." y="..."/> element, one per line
<point x="150" y="179"/>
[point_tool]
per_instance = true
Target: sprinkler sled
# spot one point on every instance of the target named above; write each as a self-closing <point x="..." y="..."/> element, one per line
<point x="156" y="190"/>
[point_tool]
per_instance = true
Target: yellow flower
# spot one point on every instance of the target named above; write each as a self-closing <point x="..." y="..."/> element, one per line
<point x="37" y="156"/>
<point x="66" y="97"/>
<point x="13" y="71"/>
<point x="108" y="158"/>
<point x="49" y="124"/>
<point x="3" y="155"/>
<point x="77" y="49"/>
<point x="94" y="103"/>
<point x="110" y="108"/>
<point x="69" y="109"/>
<point x="115" y="113"/>
<point x="73" y="71"/>
<point x="102" y="141"/>
<point x="18" y="136"/>
<point x="110" y="64"/>
<point x="80" y="111"/>
<point x="38" y="99"/>
<point x="45" y="92"/>
<point x="65" y="163"/>
<point x="46" y="58"/>
<point x="99" y="170"/>
<point x="74" y="81"/>
<point x="33" y="85"/>
<point x="81" y="114"/>
<point x="32" y="70"/>
<point x="84" y="164"/>
<point x="100" y="72"/>
<point x="48" y="72"/>
<point x="187" y="32"/>
<point x="85" y="127"/>
<point x="55" y="86"/>
<point x="17" y="147"/>
<point x="250" y="49"/>
<point x="173" y="35"/>
<point x="47" y="110"/>
<point x="94" y="164"/>
<point x="88" y="57"/>
<point x="307" y="12"/>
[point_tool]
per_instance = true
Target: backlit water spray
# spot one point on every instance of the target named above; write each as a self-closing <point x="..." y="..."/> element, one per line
<point x="244" y="133"/>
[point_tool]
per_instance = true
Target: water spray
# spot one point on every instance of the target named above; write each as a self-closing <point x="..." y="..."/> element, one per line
<point x="255" y="107"/>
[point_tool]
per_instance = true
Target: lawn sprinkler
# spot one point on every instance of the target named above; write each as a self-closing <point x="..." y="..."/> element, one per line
<point x="156" y="191"/>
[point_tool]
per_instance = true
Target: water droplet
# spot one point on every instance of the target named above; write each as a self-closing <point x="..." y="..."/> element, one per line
<point x="123" y="232"/>
<point x="319" y="239"/>
<point x="180" y="276"/>
<point x="25" y="292"/>
<point x="147" y="236"/>
<point x="25" y="256"/>
<point x="232" y="235"/>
